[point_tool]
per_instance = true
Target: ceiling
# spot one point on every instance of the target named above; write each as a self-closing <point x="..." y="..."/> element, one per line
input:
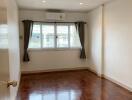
<point x="68" y="5"/>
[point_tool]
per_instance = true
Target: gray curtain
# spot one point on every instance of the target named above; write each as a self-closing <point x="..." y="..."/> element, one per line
<point x="81" y="31"/>
<point x="28" y="26"/>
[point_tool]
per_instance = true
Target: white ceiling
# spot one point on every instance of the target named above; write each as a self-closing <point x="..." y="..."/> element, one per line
<point x="68" y="5"/>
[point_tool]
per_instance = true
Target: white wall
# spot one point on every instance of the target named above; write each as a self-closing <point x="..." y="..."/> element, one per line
<point x="4" y="64"/>
<point x="4" y="60"/>
<point x="3" y="16"/>
<point x="14" y="58"/>
<point x="117" y="38"/>
<point x="51" y="60"/>
<point x="94" y="21"/>
<point x="4" y="74"/>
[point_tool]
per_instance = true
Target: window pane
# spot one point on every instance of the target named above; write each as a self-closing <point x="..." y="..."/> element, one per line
<point x="62" y="36"/>
<point x="48" y="36"/>
<point x="74" y="37"/>
<point x="3" y="36"/>
<point x="35" y="40"/>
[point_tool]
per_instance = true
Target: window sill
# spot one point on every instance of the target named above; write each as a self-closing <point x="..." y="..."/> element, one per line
<point x="54" y="49"/>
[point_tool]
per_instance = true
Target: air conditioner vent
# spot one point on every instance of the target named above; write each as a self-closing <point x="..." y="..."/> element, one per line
<point x="55" y="16"/>
<point x="54" y="10"/>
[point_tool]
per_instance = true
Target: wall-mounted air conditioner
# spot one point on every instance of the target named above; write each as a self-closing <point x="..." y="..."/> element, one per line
<point x="55" y="16"/>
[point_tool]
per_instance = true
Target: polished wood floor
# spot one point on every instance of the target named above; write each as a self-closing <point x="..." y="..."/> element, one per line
<point x="70" y="85"/>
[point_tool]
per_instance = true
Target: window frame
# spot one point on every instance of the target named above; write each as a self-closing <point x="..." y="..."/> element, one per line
<point x="55" y="39"/>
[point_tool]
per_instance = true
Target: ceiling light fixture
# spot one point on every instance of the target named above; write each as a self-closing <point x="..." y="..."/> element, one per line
<point x="44" y="1"/>
<point x="81" y="3"/>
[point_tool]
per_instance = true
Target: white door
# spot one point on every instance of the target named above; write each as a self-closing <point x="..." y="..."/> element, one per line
<point x="9" y="49"/>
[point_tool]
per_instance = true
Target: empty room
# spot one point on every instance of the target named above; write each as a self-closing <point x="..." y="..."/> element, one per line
<point x="65" y="49"/>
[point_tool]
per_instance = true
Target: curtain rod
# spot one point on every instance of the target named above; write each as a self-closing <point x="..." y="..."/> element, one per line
<point x="52" y="22"/>
<point x="56" y="22"/>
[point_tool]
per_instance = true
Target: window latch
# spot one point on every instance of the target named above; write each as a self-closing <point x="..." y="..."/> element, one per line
<point x="56" y="37"/>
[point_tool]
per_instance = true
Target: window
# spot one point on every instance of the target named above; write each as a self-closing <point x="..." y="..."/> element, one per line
<point x="54" y="35"/>
<point x="48" y="38"/>
<point x="3" y="36"/>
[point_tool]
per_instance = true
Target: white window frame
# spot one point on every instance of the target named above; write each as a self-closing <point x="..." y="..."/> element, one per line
<point x="55" y="39"/>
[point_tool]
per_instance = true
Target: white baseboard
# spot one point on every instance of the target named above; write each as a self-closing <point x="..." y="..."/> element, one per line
<point x="80" y="68"/>
<point x="54" y="70"/>
<point x="94" y="72"/>
<point x="118" y="83"/>
<point x="111" y="79"/>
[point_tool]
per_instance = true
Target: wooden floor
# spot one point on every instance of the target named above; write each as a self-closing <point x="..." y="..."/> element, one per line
<point x="70" y="85"/>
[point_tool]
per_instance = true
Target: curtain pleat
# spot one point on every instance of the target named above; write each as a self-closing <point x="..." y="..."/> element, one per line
<point x="80" y="28"/>
<point x="28" y="26"/>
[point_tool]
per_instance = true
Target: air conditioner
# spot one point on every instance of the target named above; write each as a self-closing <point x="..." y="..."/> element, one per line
<point x="55" y="16"/>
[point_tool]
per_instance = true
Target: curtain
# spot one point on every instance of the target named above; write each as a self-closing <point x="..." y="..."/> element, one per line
<point x="81" y="32"/>
<point x="28" y="26"/>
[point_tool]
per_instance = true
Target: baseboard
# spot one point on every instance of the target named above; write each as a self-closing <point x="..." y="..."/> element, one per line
<point x="75" y="69"/>
<point x="95" y="72"/>
<point x="111" y="79"/>
<point x="54" y="70"/>
<point x="117" y="82"/>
